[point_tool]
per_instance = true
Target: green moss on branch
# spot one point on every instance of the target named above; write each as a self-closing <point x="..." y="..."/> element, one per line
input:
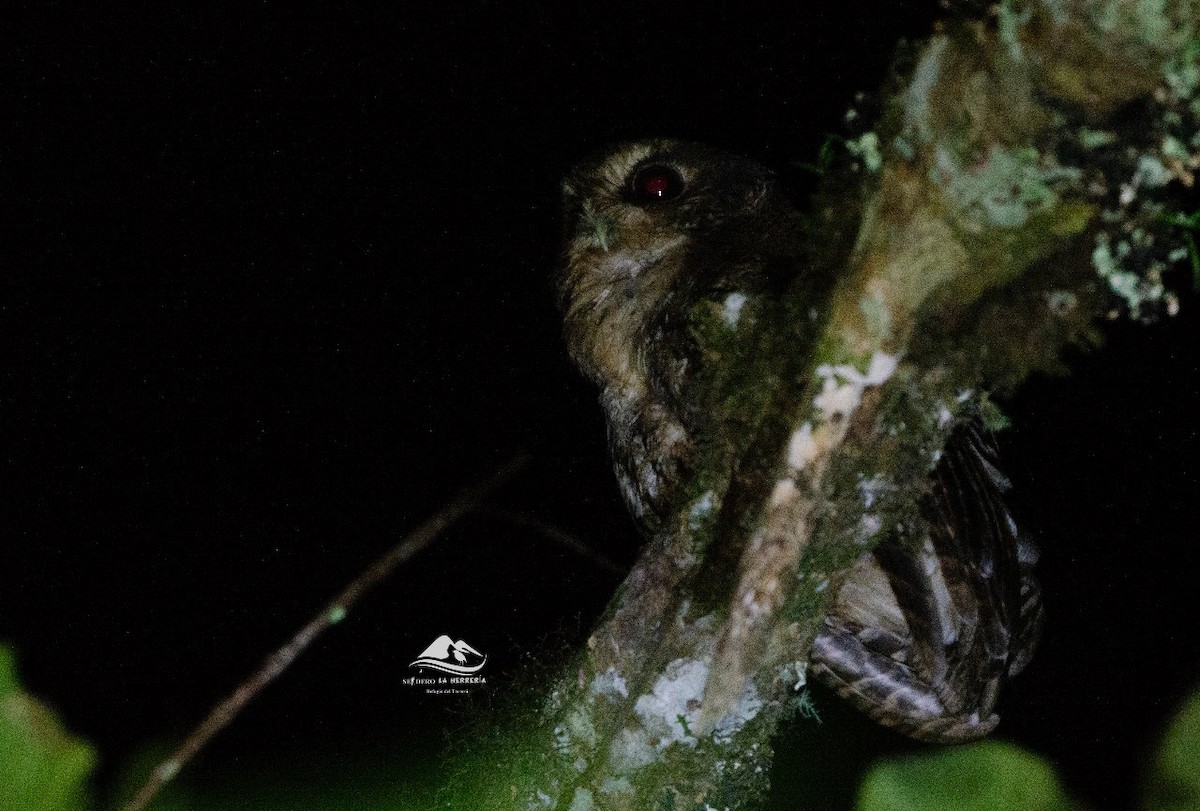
<point x="966" y="251"/>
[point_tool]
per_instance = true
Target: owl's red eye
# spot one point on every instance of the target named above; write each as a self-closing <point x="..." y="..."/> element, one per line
<point x="655" y="183"/>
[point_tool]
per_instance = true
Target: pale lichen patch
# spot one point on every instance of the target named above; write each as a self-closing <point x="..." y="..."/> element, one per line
<point x="757" y="602"/>
<point x="582" y="801"/>
<point x="802" y="448"/>
<point x="673" y="707"/>
<point x="649" y="481"/>
<point x="747" y="707"/>
<point x="731" y="310"/>
<point x="562" y="740"/>
<point x="794" y="673"/>
<point x="837" y="400"/>
<point x="842" y="385"/>
<point x="701" y="510"/>
<point x="783" y="493"/>
<point x="1007" y="188"/>
<point x="1152" y="172"/>
<point x="1061" y="302"/>
<point x="631" y="750"/>
<point x="1136" y="291"/>
<point x="579" y="727"/>
<point x="868" y="527"/>
<point x="881" y="368"/>
<point x="615" y="785"/>
<point x="866" y="149"/>
<point x="944" y="415"/>
<point x="610" y="684"/>
<point x="1094" y="139"/>
<point x="872" y="489"/>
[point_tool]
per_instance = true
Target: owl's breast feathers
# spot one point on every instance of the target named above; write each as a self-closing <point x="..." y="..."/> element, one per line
<point x="634" y="270"/>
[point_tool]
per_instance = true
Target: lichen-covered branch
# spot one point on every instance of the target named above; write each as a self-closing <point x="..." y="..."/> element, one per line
<point x="1014" y="190"/>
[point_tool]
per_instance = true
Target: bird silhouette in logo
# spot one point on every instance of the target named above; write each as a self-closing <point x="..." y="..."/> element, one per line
<point x="437" y="656"/>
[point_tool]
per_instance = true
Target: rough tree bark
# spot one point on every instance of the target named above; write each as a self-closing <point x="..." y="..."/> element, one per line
<point x="1015" y="189"/>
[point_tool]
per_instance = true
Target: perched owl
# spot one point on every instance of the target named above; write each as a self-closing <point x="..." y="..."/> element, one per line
<point x="928" y="626"/>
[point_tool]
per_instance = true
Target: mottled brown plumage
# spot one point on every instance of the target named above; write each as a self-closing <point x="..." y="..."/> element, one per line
<point x="632" y="270"/>
<point x="927" y="627"/>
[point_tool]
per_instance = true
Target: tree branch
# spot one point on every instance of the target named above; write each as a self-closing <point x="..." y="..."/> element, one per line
<point x="333" y="613"/>
<point x="1014" y="191"/>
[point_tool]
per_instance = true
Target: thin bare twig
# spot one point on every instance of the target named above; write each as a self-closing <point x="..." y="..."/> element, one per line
<point x="559" y="536"/>
<point x="333" y="613"/>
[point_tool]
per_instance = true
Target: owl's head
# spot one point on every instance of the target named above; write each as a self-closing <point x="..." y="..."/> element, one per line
<point x="640" y="220"/>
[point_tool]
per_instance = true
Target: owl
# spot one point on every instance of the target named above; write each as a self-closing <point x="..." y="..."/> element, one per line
<point x="928" y="626"/>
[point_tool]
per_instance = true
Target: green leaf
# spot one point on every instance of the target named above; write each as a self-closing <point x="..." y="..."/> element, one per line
<point x="985" y="776"/>
<point x="1174" y="783"/>
<point x="42" y="766"/>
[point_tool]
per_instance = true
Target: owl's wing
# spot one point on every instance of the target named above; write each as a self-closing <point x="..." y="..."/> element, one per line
<point x="925" y="630"/>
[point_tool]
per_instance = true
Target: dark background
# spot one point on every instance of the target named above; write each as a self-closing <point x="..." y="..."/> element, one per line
<point x="276" y="284"/>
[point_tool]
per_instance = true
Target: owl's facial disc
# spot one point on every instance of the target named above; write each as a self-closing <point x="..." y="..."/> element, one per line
<point x="620" y="220"/>
<point x="639" y="218"/>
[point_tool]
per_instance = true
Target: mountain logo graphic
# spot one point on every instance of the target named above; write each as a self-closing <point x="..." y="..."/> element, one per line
<point x="438" y="656"/>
